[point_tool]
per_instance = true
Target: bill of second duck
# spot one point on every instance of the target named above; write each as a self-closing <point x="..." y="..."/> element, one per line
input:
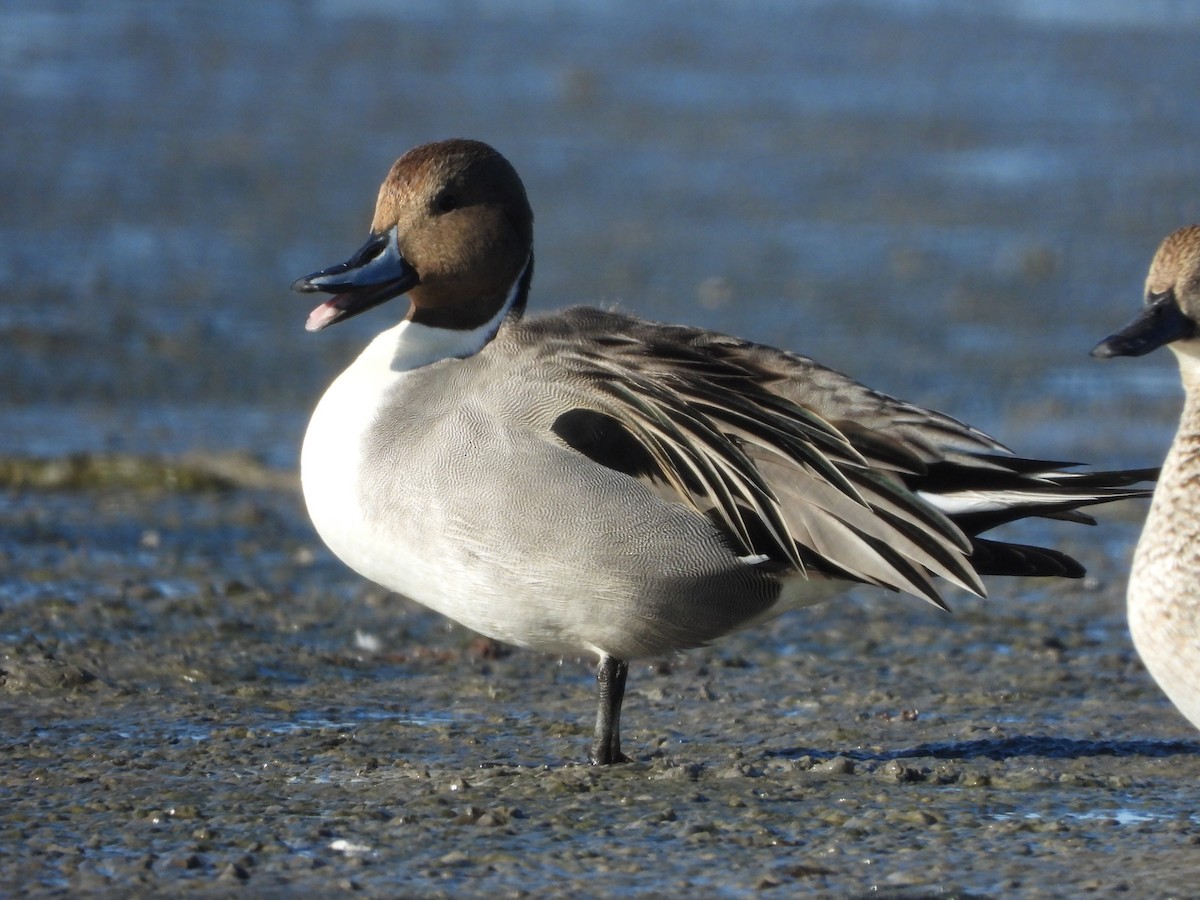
<point x="589" y="482"/>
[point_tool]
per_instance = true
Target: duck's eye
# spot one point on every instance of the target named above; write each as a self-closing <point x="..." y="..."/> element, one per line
<point x="446" y="202"/>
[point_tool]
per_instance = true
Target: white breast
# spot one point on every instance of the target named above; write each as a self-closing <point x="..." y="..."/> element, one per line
<point x="380" y="509"/>
<point x="331" y="460"/>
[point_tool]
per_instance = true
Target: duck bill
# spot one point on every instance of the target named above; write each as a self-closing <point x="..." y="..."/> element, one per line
<point x="373" y="275"/>
<point x="1159" y="324"/>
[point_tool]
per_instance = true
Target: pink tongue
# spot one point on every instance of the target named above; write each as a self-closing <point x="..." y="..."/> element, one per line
<point x="321" y="316"/>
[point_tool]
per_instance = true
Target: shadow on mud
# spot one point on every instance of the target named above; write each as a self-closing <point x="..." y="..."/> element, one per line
<point x="1008" y="748"/>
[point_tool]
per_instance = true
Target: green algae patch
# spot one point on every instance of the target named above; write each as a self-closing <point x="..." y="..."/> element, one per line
<point x="188" y="473"/>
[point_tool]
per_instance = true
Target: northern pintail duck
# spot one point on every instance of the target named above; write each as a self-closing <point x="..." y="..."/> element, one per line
<point x="588" y="482"/>
<point x="1164" y="582"/>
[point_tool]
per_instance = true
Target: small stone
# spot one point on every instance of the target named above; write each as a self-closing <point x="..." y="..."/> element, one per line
<point x="233" y="872"/>
<point x="839" y="765"/>
<point x="189" y="861"/>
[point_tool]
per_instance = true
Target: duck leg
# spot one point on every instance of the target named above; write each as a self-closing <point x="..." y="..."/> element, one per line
<point x="610" y="679"/>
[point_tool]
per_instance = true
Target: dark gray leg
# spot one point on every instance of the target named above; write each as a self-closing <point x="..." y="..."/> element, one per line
<point x="610" y="678"/>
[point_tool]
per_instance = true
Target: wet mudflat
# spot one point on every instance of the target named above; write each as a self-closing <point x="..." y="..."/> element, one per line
<point x="196" y="697"/>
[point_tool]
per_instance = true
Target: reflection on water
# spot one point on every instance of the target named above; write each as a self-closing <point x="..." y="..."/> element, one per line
<point x="950" y="204"/>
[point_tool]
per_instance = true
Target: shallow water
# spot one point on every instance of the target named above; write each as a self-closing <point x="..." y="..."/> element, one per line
<point x="951" y="205"/>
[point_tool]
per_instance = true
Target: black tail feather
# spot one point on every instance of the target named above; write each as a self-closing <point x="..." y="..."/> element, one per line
<point x="1000" y="558"/>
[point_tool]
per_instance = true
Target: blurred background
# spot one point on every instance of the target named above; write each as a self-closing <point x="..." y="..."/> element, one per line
<point x="950" y="201"/>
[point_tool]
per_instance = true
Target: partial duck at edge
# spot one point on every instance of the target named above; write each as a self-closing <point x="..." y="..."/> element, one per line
<point x="1164" y="582"/>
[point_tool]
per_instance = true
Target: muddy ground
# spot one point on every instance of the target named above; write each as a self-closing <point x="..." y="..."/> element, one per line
<point x="197" y="699"/>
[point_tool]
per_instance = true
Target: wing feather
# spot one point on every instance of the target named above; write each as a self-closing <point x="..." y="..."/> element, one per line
<point x="783" y="481"/>
<point x="795" y="462"/>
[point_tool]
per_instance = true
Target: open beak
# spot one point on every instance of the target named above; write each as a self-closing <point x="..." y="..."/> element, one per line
<point x="1160" y="323"/>
<point x="374" y="274"/>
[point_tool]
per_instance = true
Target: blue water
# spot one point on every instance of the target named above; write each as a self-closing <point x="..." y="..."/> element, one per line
<point x="950" y="202"/>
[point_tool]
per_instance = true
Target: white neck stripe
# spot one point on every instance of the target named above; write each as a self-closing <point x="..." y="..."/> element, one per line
<point x="413" y="345"/>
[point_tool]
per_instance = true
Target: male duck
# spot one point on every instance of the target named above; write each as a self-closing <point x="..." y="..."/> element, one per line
<point x="590" y="482"/>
